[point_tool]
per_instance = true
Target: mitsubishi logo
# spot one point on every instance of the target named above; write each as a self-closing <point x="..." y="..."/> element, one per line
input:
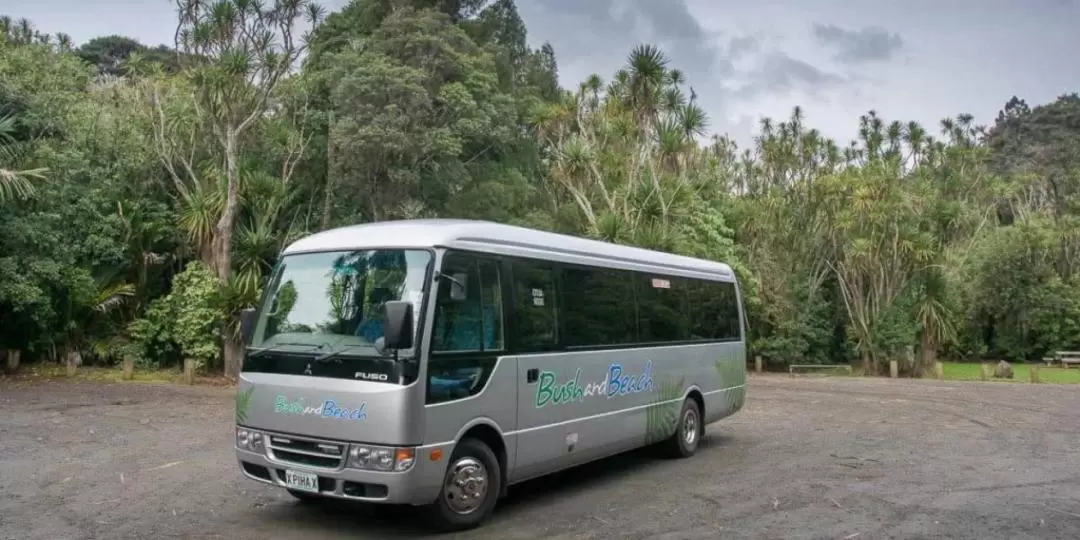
<point x="307" y="370"/>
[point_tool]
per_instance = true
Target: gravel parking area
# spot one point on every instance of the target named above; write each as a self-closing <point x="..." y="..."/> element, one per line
<point x="807" y="458"/>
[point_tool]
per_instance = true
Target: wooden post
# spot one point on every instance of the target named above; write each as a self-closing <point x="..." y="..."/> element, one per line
<point x="11" y="364"/>
<point x="1035" y="375"/>
<point x="984" y="371"/>
<point x="72" y="360"/>
<point x="129" y="367"/>
<point x="757" y="364"/>
<point x="939" y="371"/>
<point x="189" y="371"/>
<point x="894" y="369"/>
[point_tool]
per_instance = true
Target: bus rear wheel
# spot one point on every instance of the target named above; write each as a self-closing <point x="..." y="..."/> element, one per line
<point x="684" y="442"/>
<point x="470" y="488"/>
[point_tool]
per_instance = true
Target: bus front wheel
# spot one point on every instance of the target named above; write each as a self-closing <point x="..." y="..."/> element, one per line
<point x="684" y="442"/>
<point x="470" y="487"/>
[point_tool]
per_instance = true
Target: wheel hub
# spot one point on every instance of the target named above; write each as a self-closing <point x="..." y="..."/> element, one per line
<point x="690" y="428"/>
<point x="466" y="485"/>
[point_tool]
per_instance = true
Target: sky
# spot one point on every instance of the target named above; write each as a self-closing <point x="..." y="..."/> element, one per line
<point x="920" y="60"/>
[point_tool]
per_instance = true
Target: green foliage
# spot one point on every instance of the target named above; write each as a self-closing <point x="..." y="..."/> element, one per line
<point x="1017" y="296"/>
<point x="412" y="107"/>
<point x="120" y="165"/>
<point x="186" y="321"/>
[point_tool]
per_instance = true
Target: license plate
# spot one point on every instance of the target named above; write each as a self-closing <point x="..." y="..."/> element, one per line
<point x="302" y="481"/>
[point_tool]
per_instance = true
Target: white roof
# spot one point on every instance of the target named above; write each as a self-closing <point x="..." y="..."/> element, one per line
<point x="489" y="237"/>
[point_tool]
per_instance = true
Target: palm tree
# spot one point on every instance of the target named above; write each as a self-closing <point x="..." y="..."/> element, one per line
<point x="648" y="74"/>
<point x="14" y="183"/>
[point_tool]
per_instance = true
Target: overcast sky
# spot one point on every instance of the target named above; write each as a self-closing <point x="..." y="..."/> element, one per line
<point x="913" y="60"/>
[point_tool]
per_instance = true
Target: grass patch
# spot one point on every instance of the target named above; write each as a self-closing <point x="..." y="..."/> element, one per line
<point x="969" y="371"/>
<point x="108" y="374"/>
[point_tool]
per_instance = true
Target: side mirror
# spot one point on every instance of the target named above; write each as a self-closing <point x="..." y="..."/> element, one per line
<point x="458" y="292"/>
<point x="398" y="325"/>
<point x="248" y="318"/>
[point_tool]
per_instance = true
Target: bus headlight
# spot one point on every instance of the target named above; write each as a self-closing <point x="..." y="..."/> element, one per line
<point x="247" y="439"/>
<point x="381" y="458"/>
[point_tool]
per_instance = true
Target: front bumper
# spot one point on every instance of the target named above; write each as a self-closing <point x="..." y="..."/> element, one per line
<point x="419" y="485"/>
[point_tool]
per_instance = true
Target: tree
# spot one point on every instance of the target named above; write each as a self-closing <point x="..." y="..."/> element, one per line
<point x="235" y="54"/>
<point x="412" y="106"/>
<point x="14" y="183"/>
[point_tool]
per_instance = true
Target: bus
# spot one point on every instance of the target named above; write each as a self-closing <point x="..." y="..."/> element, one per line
<point x="434" y="363"/>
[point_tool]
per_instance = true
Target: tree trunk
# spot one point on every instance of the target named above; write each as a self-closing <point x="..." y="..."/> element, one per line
<point x="868" y="363"/>
<point x="224" y="229"/>
<point x="207" y="254"/>
<point x="928" y="352"/>
<point x="234" y="356"/>
<point x="328" y="189"/>
<point x="224" y="234"/>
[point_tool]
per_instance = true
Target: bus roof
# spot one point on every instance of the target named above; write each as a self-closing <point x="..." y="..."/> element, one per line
<point x="497" y="238"/>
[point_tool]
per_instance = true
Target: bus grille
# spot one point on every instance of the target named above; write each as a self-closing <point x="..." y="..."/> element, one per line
<point x="312" y="453"/>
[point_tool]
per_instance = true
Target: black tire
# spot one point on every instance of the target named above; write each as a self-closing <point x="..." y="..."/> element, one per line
<point x="304" y="496"/>
<point x="441" y="514"/>
<point x="677" y="446"/>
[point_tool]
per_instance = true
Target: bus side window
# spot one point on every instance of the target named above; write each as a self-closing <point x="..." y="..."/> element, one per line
<point x="598" y="307"/>
<point x="714" y="311"/>
<point x="662" y="309"/>
<point x="474" y="322"/>
<point x="468" y="330"/>
<point x="537" y="309"/>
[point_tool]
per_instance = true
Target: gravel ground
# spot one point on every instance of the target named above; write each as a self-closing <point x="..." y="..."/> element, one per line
<point x="807" y="458"/>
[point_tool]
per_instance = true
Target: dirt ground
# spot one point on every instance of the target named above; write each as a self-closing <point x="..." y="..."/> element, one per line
<point x="807" y="458"/>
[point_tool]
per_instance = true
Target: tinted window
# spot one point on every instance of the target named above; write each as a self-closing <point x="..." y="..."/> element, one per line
<point x="730" y="326"/>
<point x="537" y="312"/>
<point x="468" y="309"/>
<point x="598" y="307"/>
<point x="714" y="310"/>
<point x="662" y="313"/>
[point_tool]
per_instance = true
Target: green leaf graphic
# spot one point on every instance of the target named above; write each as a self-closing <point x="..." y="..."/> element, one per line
<point x="662" y="414"/>
<point x="732" y="375"/>
<point x="243" y="403"/>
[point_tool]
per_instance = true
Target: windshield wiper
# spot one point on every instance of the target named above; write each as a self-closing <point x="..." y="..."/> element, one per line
<point x="332" y="354"/>
<point x="277" y="347"/>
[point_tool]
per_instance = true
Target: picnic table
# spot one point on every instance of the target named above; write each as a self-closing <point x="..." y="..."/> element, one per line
<point x="1064" y="358"/>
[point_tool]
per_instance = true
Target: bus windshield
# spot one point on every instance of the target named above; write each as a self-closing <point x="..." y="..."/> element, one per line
<point x="328" y="305"/>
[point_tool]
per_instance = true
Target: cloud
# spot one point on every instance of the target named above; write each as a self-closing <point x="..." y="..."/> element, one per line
<point x="780" y="73"/>
<point x="870" y="44"/>
<point x="602" y="32"/>
<point x="740" y="46"/>
<point x="598" y="35"/>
